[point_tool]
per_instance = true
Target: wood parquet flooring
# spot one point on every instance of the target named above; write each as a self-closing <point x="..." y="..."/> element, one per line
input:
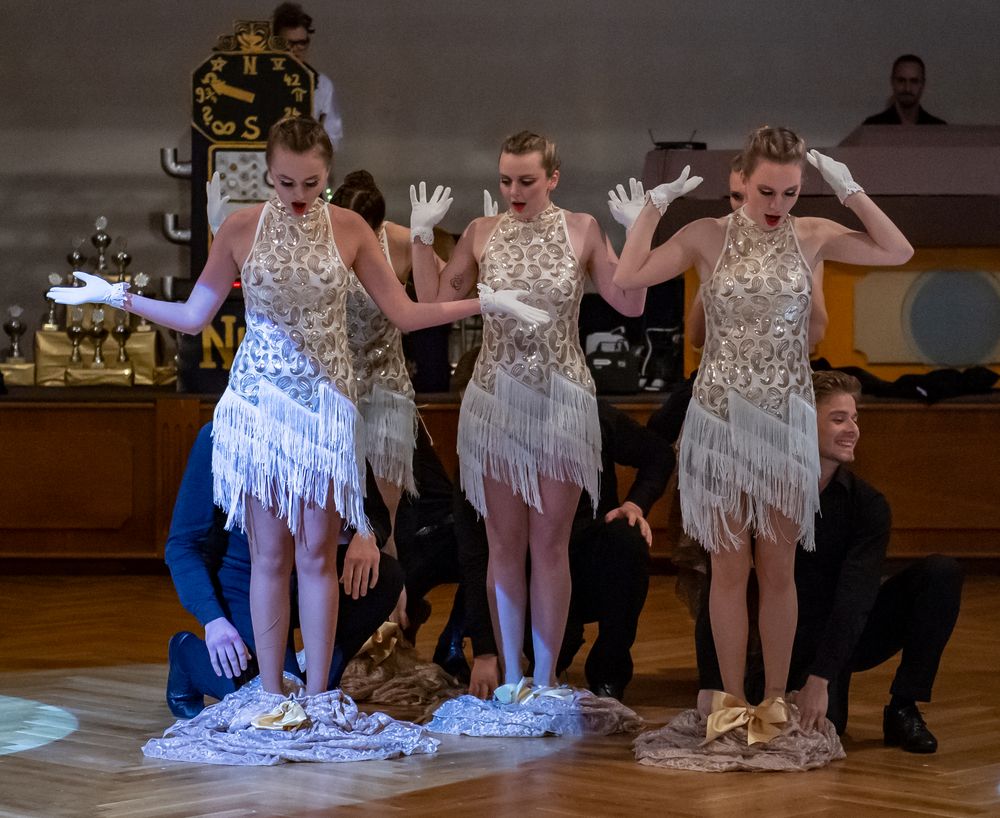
<point x="96" y="647"/>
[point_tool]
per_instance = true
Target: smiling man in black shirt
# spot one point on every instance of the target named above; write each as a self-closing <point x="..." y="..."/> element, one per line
<point x="848" y="619"/>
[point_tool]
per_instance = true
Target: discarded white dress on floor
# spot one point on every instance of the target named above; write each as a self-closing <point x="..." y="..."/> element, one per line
<point x="749" y="438"/>
<point x="334" y="730"/>
<point x="579" y="714"/>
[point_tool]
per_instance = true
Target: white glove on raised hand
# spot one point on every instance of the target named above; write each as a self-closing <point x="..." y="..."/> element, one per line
<point x="662" y="195"/>
<point x="625" y="209"/>
<point x="215" y="203"/>
<point x="426" y="213"/>
<point x="95" y="291"/>
<point x="490" y="208"/>
<point x="835" y="174"/>
<point x="508" y="302"/>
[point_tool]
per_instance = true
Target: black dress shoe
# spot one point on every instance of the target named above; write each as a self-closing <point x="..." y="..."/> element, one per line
<point x="451" y="657"/>
<point x="608" y="690"/>
<point x="183" y="699"/>
<point x="904" y="727"/>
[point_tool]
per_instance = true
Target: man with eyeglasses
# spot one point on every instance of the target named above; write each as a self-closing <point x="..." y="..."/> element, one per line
<point x="293" y="25"/>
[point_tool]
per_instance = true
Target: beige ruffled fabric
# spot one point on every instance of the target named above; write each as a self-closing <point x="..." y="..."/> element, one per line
<point x="387" y="670"/>
<point x="681" y="745"/>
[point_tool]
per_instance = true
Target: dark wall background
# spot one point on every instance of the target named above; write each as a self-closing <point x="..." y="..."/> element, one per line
<point x="91" y="92"/>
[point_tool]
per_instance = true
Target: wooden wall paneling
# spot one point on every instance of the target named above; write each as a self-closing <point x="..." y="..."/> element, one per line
<point x="937" y="466"/>
<point x="79" y="480"/>
<point x="177" y="423"/>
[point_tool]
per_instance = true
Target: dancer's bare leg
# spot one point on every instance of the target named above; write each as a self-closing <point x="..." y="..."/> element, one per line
<point x="272" y="551"/>
<point x="548" y="542"/>
<point x="727" y="604"/>
<point x="507" y="533"/>
<point x="316" y="574"/>
<point x="779" y="608"/>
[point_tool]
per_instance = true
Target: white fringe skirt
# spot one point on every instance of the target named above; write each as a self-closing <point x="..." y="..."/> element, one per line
<point x="519" y="434"/>
<point x="288" y="457"/>
<point x="733" y="472"/>
<point x="390" y="436"/>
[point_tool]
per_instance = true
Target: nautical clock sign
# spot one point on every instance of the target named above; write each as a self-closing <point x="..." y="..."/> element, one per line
<point x="247" y="84"/>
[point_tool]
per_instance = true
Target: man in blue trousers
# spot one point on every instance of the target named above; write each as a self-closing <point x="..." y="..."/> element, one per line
<point x="210" y="568"/>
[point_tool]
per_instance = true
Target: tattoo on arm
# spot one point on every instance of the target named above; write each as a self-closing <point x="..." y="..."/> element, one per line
<point x="456" y="282"/>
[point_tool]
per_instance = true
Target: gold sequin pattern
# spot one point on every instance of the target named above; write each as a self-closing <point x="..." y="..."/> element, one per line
<point x="375" y="344"/>
<point x="757" y="304"/>
<point x="536" y="257"/>
<point x="295" y="290"/>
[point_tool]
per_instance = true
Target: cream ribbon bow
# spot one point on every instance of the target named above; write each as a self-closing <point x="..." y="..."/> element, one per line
<point x="763" y="722"/>
<point x="382" y="643"/>
<point x="288" y="715"/>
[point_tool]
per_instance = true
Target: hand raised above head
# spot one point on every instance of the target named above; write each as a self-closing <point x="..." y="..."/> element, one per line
<point x="215" y="203"/>
<point x="835" y="174"/>
<point x="626" y="207"/>
<point x="490" y="208"/>
<point x="426" y="213"/>
<point x="662" y="195"/>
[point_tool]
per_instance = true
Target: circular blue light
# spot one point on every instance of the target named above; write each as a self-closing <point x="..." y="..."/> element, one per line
<point x="26" y="724"/>
<point x="953" y="317"/>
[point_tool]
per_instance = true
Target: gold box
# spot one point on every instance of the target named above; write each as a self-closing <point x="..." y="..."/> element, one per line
<point x="53" y="348"/>
<point x="109" y="376"/>
<point x="18" y="373"/>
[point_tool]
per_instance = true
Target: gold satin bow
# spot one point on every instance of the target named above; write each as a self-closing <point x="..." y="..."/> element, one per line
<point x="382" y="643"/>
<point x="288" y="715"/>
<point x="763" y="722"/>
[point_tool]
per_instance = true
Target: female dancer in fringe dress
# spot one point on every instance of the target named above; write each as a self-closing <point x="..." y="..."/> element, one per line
<point x="749" y="459"/>
<point x="287" y="458"/>
<point x="385" y="394"/>
<point x="528" y="436"/>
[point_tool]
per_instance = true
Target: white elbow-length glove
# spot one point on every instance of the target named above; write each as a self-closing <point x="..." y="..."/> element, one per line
<point x="626" y="207"/>
<point x="662" y="195"/>
<point x="508" y="302"/>
<point x="95" y="291"/>
<point x="215" y="203"/>
<point x="835" y="174"/>
<point x="490" y="208"/>
<point x="426" y="213"/>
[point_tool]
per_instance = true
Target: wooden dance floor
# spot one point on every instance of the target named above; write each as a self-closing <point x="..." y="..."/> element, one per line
<point x="88" y="653"/>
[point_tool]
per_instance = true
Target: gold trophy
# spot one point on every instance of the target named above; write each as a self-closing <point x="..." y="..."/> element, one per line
<point x="121" y="333"/>
<point x="98" y="332"/>
<point x="51" y="320"/>
<point x="76" y="260"/>
<point x="101" y="240"/>
<point x="75" y="332"/>
<point x="123" y="259"/>
<point x="15" y="328"/>
<point x="141" y="281"/>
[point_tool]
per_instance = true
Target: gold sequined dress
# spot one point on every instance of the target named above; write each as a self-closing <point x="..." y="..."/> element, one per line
<point x="384" y="391"/>
<point x="749" y="439"/>
<point x="286" y="429"/>
<point x="530" y="409"/>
